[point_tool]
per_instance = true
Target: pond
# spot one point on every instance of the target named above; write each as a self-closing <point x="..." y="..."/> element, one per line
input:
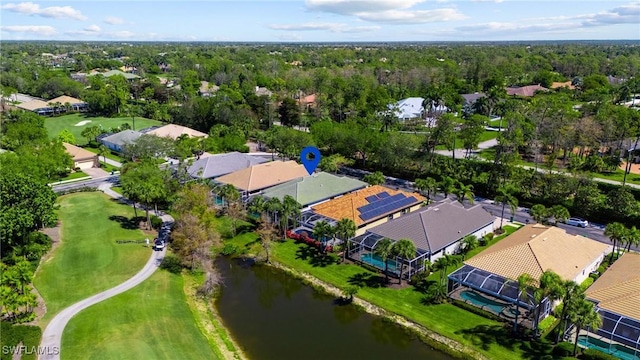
<point x="275" y="316"/>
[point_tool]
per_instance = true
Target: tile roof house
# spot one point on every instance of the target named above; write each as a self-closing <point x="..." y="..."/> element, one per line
<point x="263" y="91"/>
<point x="314" y="189"/>
<point x="110" y="73"/>
<point x="411" y="108"/>
<point x="37" y="106"/>
<point x="174" y="131"/>
<point x="83" y="159"/>
<point x="213" y="166"/>
<point x="76" y="104"/>
<point x="616" y="294"/>
<point x="370" y="206"/>
<point x="262" y="176"/>
<point x="206" y="89"/>
<point x="438" y="229"/>
<point x="525" y="91"/>
<point x="470" y="99"/>
<point x="536" y="248"/>
<point x="566" y="84"/>
<point x="117" y="141"/>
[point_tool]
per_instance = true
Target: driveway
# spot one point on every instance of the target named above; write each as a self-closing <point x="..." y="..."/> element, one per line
<point x="95" y="173"/>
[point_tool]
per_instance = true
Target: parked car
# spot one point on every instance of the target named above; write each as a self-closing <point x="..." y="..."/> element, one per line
<point x="158" y="244"/>
<point x="577" y="222"/>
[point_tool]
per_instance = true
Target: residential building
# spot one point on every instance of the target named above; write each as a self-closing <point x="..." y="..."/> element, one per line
<point x="206" y="89"/>
<point x="315" y="189"/>
<point x="217" y="165"/>
<point x="525" y="91"/>
<point x="117" y="142"/>
<point x="256" y="178"/>
<point x="367" y="208"/>
<point x="76" y="104"/>
<point x="37" y="106"/>
<point x="174" y="131"/>
<point x="616" y="294"/>
<point x="566" y="84"/>
<point x="533" y="249"/>
<point x="263" y="91"/>
<point x="83" y="159"/>
<point x="470" y="99"/>
<point x="411" y="108"/>
<point x="110" y="73"/>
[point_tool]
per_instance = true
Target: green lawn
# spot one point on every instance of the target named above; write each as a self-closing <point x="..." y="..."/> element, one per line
<point x="486" y="135"/>
<point x="110" y="155"/>
<point x="89" y="260"/>
<point x="55" y="125"/>
<point x="150" y="321"/>
<point x="455" y="323"/>
<point x="74" y="175"/>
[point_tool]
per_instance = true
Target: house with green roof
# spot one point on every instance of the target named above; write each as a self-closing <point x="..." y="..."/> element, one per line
<point x="315" y="189"/>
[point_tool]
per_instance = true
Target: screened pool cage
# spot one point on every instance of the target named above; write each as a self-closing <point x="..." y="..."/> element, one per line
<point x="362" y="249"/>
<point x="496" y="286"/>
<point x="619" y="329"/>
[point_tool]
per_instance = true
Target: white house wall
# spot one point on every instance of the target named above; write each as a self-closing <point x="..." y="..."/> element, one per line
<point x="454" y="247"/>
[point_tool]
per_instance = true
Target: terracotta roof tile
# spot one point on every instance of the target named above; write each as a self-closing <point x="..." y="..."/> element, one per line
<point x="618" y="289"/>
<point x="265" y="175"/>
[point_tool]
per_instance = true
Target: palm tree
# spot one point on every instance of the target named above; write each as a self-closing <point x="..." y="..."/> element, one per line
<point x="504" y="196"/>
<point x="583" y="314"/>
<point x="525" y="284"/>
<point x="469" y="243"/>
<point x="257" y="206"/>
<point x="447" y="185"/>
<point x="443" y="263"/>
<point x="426" y="185"/>
<point x="273" y="207"/>
<point x="103" y="151"/>
<point x="321" y="230"/>
<point x="375" y="178"/>
<point x="404" y="249"/>
<point x="551" y="289"/>
<point x="229" y="193"/>
<point x="290" y="208"/>
<point x="632" y="237"/>
<point x="616" y="232"/>
<point x="538" y="212"/>
<point x="463" y="192"/>
<point x="570" y="291"/>
<point x="345" y="229"/>
<point x="384" y="249"/>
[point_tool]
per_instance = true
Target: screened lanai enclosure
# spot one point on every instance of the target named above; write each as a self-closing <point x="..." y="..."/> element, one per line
<point x="362" y="249"/>
<point x="621" y="333"/>
<point x="495" y="286"/>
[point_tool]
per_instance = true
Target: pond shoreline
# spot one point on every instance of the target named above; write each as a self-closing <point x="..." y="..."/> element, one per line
<point x="430" y="338"/>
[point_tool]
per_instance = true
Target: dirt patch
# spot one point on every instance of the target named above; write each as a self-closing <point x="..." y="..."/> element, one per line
<point x="635" y="168"/>
<point x="378" y="311"/>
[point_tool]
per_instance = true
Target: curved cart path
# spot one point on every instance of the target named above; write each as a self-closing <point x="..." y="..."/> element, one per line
<point x="52" y="336"/>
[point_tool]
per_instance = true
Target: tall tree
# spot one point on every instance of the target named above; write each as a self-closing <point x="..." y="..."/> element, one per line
<point x="374" y="178"/>
<point x="505" y="196"/>
<point x="290" y="210"/>
<point x="583" y="315"/>
<point x="447" y="186"/>
<point x="345" y="229"/>
<point x="384" y="249"/>
<point x="464" y="192"/>
<point x="616" y="232"/>
<point x="267" y="235"/>
<point x="427" y="185"/>
<point x="405" y="249"/>
<point x="289" y="112"/>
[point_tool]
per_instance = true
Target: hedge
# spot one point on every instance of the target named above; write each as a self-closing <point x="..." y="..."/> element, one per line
<point x="475" y="310"/>
<point x="563" y="349"/>
<point x="592" y="354"/>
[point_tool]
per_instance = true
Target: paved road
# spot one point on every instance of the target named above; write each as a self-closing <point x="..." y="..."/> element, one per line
<point x="52" y="336"/>
<point x="461" y="153"/>
<point x="111" y="179"/>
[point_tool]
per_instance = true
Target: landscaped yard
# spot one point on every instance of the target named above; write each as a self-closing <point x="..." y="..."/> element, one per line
<point x="55" y="125"/>
<point x="150" y="321"/>
<point x="109" y="154"/>
<point x="88" y="259"/>
<point x="74" y="175"/>
<point x="488" y="336"/>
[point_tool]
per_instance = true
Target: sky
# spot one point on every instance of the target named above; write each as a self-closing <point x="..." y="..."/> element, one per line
<point x="321" y="20"/>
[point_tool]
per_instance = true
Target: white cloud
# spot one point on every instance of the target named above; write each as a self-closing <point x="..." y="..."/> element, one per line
<point x="386" y="11"/>
<point x="493" y="1"/>
<point x="112" y="20"/>
<point x="625" y="14"/>
<point x="318" y="26"/>
<point x="289" y="37"/>
<point x="56" y="12"/>
<point x="93" y="28"/>
<point x="42" y="30"/>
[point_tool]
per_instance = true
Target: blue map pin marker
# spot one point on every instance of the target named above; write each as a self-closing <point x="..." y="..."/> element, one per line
<point x="310" y="164"/>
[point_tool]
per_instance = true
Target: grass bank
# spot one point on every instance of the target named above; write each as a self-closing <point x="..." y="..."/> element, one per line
<point x="88" y="260"/>
<point x="78" y="122"/>
<point x="150" y="321"/>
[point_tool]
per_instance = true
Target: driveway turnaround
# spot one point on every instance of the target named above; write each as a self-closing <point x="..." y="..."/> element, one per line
<point x="52" y="336"/>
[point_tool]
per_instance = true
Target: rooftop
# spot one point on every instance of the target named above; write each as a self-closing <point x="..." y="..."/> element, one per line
<point x="315" y="188"/>
<point x="536" y="248"/>
<point x="526" y="91"/>
<point x="66" y="99"/>
<point x="174" y="131"/>
<point x="211" y="166"/>
<point x="78" y="153"/>
<point x="435" y="227"/>
<point x="618" y="289"/>
<point x="123" y="137"/>
<point x="110" y="73"/>
<point x="33" y="105"/>
<point x="265" y="175"/>
<point x="369" y="204"/>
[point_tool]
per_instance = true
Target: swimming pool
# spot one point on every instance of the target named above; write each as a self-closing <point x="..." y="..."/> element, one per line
<point x="616" y="350"/>
<point x="376" y="261"/>
<point x="481" y="301"/>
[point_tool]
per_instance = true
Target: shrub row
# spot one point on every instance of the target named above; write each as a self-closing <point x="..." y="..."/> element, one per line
<point x="477" y="311"/>
<point x="77" y="190"/>
<point x="592" y="354"/>
<point x="309" y="241"/>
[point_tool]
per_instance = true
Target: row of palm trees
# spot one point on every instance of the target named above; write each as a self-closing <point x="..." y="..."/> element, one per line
<point x="622" y="236"/>
<point x="403" y="249"/>
<point x="575" y="310"/>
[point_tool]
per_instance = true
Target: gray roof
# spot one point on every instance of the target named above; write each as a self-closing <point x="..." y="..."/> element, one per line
<point x="437" y="226"/>
<point x="471" y="98"/>
<point x="222" y="164"/>
<point x="123" y="137"/>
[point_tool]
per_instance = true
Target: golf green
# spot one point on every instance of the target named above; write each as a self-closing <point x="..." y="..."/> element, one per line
<point x="150" y="321"/>
<point x="89" y="260"/>
<point x="78" y="122"/>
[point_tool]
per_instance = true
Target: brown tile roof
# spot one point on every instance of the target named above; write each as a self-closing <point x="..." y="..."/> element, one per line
<point x="566" y="84"/>
<point x="78" y="153"/>
<point x="66" y="99"/>
<point x="618" y="289"/>
<point x="33" y="105"/>
<point x="526" y="91"/>
<point x="174" y="131"/>
<point x="347" y="206"/>
<point x="264" y="175"/>
<point x="537" y="248"/>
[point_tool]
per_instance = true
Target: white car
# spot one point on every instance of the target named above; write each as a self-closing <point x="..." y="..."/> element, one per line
<point x="577" y="222"/>
<point x="158" y="244"/>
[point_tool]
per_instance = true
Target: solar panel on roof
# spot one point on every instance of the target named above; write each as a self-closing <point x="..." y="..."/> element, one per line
<point x="372" y="198"/>
<point x="383" y="195"/>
